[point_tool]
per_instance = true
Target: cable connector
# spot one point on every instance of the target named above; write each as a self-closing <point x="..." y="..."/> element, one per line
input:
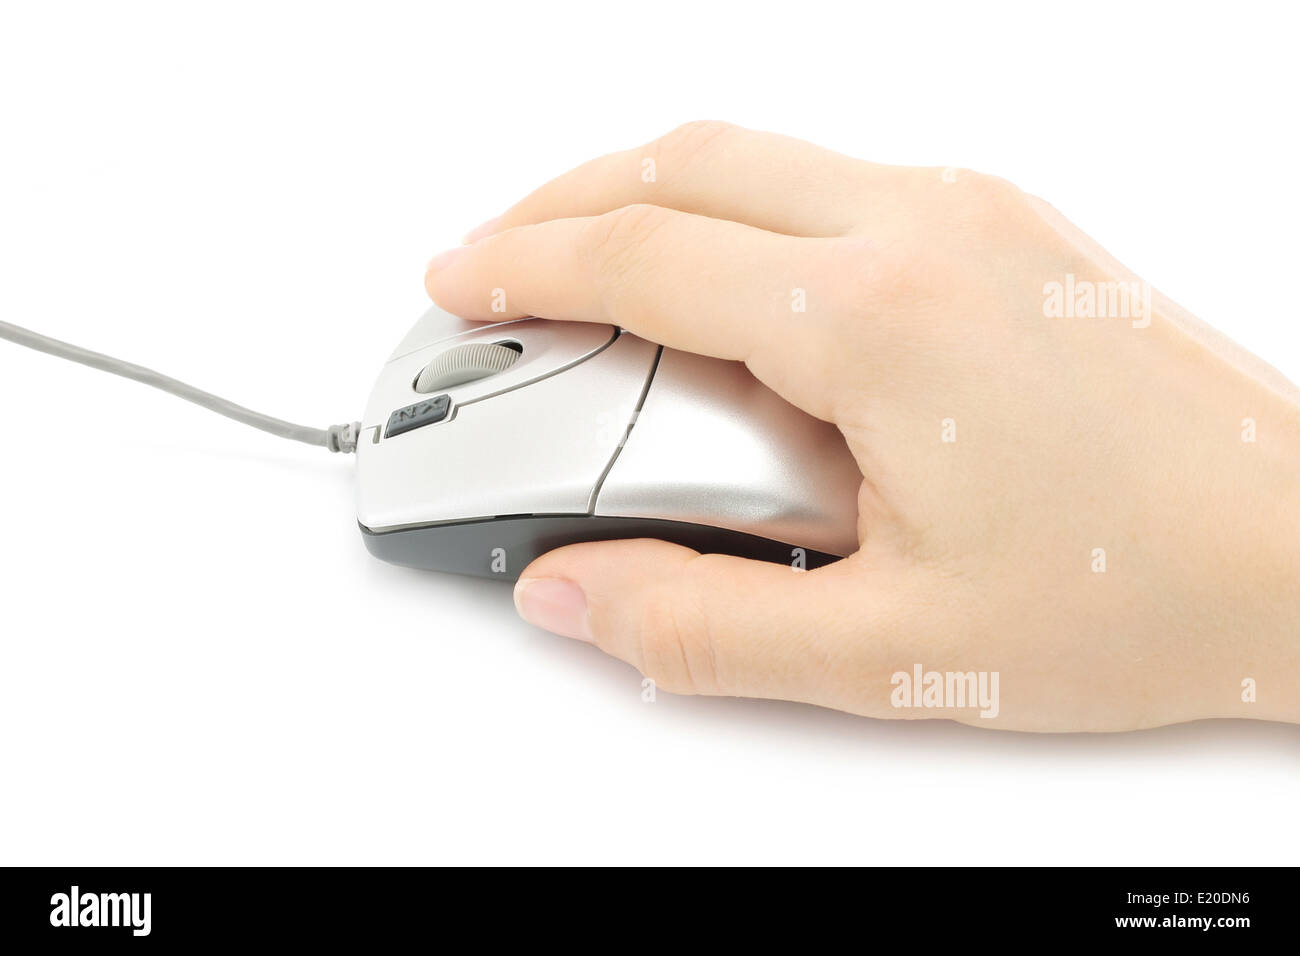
<point x="343" y="437"/>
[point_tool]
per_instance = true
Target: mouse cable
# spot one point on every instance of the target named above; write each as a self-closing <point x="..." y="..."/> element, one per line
<point x="336" y="438"/>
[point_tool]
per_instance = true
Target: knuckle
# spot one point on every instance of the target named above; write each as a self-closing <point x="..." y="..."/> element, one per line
<point x="619" y="244"/>
<point x="988" y="200"/>
<point x="683" y="145"/>
<point x="675" y="646"/>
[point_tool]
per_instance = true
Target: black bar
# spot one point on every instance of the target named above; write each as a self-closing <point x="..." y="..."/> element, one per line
<point x="628" y="909"/>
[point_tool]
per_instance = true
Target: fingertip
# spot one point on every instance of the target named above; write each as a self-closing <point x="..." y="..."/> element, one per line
<point x="440" y="263"/>
<point x="554" y="604"/>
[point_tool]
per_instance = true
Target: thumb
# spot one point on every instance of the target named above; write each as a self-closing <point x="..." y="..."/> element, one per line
<point x="694" y="623"/>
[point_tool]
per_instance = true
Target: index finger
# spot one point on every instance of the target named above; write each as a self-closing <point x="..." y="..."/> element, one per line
<point x="702" y="285"/>
<point x="713" y="169"/>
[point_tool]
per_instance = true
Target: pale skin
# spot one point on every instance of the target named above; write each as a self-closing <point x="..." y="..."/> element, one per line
<point x="1002" y="449"/>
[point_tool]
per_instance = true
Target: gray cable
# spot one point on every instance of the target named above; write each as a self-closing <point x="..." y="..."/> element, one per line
<point x="336" y="438"/>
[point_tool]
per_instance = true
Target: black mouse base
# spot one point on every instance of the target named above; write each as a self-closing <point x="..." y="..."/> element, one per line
<point x="502" y="547"/>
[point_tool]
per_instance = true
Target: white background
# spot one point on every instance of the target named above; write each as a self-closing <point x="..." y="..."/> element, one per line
<point x="199" y="662"/>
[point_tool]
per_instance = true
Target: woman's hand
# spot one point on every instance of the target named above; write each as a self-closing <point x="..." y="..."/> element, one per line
<point x="1099" y="504"/>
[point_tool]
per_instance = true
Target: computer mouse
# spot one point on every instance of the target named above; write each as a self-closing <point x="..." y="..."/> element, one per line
<point x="485" y="445"/>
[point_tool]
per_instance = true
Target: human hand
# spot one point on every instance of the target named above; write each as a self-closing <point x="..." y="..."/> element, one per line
<point x="1102" y="511"/>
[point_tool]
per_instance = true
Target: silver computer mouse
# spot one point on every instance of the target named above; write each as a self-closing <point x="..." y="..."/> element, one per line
<point x="485" y="445"/>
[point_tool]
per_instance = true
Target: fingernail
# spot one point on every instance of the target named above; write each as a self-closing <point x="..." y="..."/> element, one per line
<point x="478" y="232"/>
<point x="554" y="605"/>
<point x="444" y="259"/>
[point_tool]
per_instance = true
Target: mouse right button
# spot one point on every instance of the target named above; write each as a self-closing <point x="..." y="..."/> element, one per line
<point x="712" y="445"/>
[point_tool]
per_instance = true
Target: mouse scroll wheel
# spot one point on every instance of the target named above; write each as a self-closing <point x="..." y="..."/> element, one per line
<point x="467" y="363"/>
